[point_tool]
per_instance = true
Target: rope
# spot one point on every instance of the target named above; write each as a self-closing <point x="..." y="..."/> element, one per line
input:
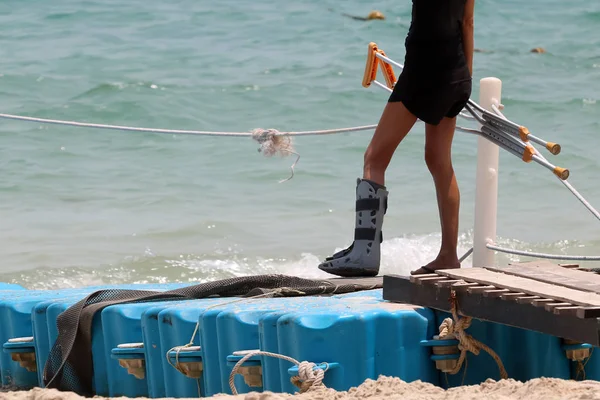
<point x="184" y="132"/>
<point x="581" y="198"/>
<point x="308" y="378"/>
<point x="178" y="349"/>
<point x="456" y="327"/>
<point x="542" y="255"/>
<point x="580" y="367"/>
<point x="271" y="141"/>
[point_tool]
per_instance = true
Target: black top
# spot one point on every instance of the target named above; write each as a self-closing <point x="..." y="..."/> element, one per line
<point x="434" y="44"/>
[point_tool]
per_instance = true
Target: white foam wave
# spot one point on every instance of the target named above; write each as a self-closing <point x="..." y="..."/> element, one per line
<point x="399" y="256"/>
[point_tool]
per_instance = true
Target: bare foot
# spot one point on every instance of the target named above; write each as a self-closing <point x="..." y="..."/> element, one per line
<point x="439" y="263"/>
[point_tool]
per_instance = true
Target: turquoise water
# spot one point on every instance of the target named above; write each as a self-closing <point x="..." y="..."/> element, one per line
<point x="83" y="206"/>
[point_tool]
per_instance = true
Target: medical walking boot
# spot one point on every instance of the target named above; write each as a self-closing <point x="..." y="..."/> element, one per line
<point x="362" y="258"/>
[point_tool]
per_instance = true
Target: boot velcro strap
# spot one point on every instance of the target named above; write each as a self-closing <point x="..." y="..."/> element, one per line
<point x="367" y="204"/>
<point x="364" y="234"/>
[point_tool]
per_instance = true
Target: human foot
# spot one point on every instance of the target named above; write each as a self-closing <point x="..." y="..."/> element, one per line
<point x="438" y="263"/>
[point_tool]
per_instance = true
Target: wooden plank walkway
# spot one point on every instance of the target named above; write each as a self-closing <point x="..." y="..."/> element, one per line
<point x="539" y="296"/>
<point x="523" y="285"/>
<point x="547" y="272"/>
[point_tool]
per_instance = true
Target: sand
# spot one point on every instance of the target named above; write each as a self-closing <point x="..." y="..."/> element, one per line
<point x="392" y="389"/>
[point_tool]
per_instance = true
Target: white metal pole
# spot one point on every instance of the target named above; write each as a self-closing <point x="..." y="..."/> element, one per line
<point x="486" y="192"/>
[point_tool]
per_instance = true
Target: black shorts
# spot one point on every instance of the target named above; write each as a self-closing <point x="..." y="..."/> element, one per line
<point x="431" y="101"/>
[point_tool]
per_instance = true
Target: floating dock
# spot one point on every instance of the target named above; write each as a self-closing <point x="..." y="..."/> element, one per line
<point x="562" y="301"/>
<point x="540" y="320"/>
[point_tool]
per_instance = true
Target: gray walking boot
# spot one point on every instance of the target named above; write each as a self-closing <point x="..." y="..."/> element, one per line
<point x="362" y="258"/>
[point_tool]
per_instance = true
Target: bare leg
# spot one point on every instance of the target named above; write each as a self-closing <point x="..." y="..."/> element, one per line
<point x="438" y="156"/>
<point x="362" y="258"/>
<point x="395" y="123"/>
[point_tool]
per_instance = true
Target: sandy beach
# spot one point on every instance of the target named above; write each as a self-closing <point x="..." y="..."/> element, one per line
<point x="393" y="388"/>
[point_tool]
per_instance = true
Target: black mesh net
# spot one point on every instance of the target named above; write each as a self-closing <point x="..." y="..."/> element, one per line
<point x="69" y="365"/>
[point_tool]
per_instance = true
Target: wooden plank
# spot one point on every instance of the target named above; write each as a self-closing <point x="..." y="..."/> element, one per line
<point x="524" y="285"/>
<point x="416" y="278"/>
<point x="463" y="286"/>
<point x="552" y="306"/>
<point x="542" y="302"/>
<point x="495" y="292"/>
<point x="448" y="282"/>
<point x="511" y="295"/>
<point x="567" y="310"/>
<point x="526" y="299"/>
<point x="589" y="312"/>
<point x="547" y="272"/>
<point x="525" y="316"/>
<point x="430" y="279"/>
<point x="565" y="265"/>
<point x="478" y="289"/>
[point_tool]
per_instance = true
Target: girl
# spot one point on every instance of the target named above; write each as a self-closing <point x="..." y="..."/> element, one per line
<point x="434" y="86"/>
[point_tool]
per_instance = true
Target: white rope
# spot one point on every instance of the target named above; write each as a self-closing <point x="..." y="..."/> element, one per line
<point x="308" y="377"/>
<point x="178" y="349"/>
<point x="542" y="255"/>
<point x="271" y="141"/>
<point x="184" y="132"/>
<point x="581" y="199"/>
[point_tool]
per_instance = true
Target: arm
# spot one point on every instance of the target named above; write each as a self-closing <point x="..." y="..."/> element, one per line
<point x="467" y="33"/>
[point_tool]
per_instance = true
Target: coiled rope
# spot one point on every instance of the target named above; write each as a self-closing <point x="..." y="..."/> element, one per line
<point x="455" y="327"/>
<point x="308" y="377"/>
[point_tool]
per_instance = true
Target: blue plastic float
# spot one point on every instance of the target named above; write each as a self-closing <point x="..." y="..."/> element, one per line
<point x="155" y="359"/>
<point x="28" y="311"/>
<point x="525" y="354"/>
<point x="358" y="341"/>
<point x="139" y="349"/>
<point x="176" y="326"/>
<point x="124" y="350"/>
<point x="231" y="329"/>
<point x="16" y="333"/>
